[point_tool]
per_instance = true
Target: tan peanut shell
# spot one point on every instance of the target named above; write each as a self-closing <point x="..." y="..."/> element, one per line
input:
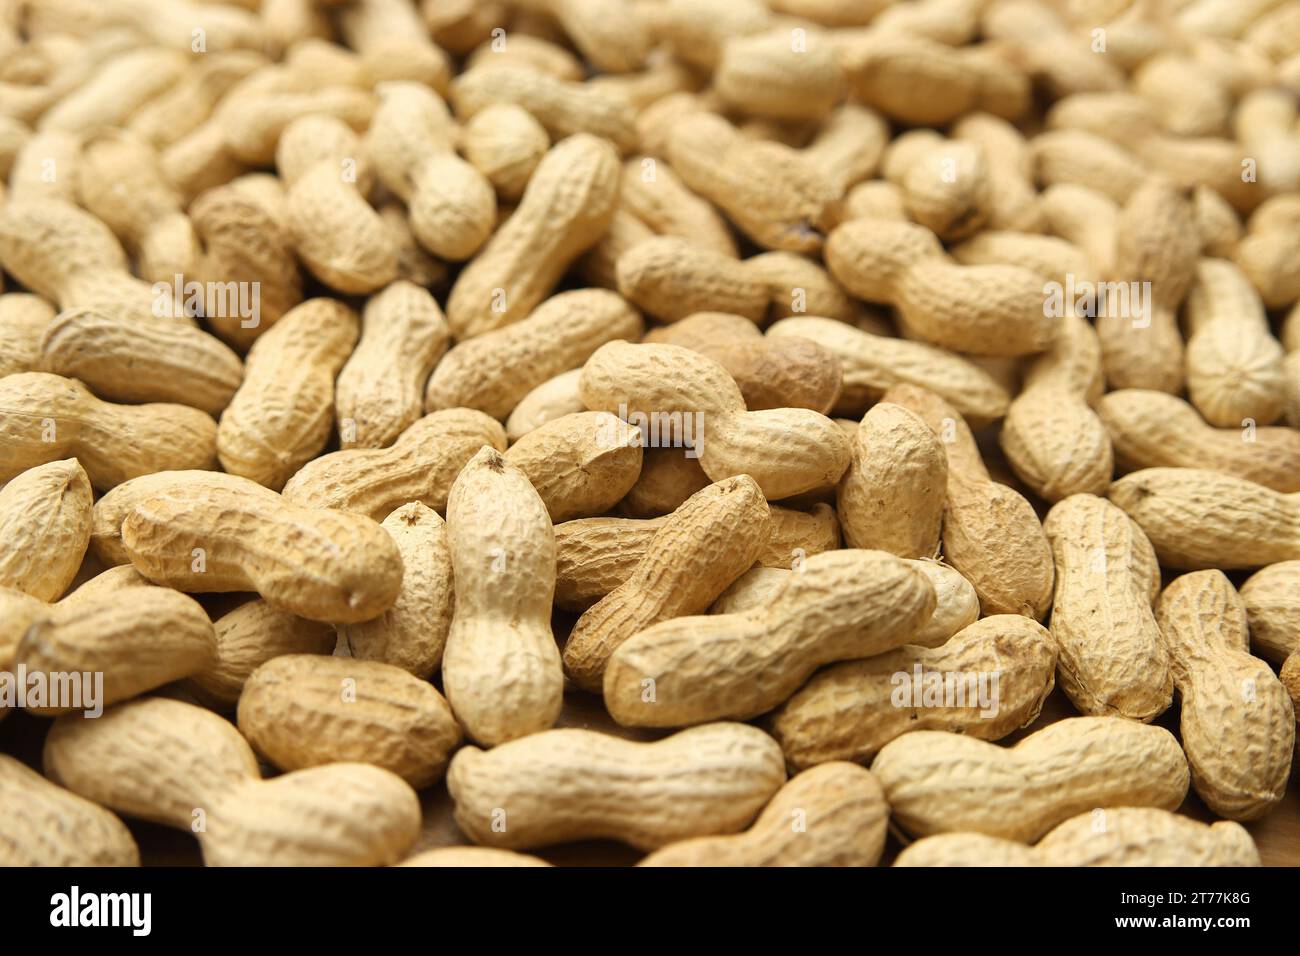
<point x="495" y="371"/>
<point x="319" y="564"/>
<point x="1203" y="519"/>
<point x="872" y="364"/>
<point x="505" y="143"/>
<point x="45" y="825"/>
<point x="413" y="632"/>
<point x="939" y="782"/>
<point x="765" y="74"/>
<point x="654" y="194"/>
<point x="670" y="278"/>
<point x="1120" y="836"/>
<point x="698" y="550"/>
<point x="420" y="466"/>
<point x="1238" y="723"/>
<point x="786" y="450"/>
<point x="381" y="387"/>
<point x="113" y="507"/>
<point x="581" y="464"/>
<point x="249" y="636"/>
<point x="1052" y="437"/>
<point x="501" y="666"/>
<point x="892" y="497"/>
<point x="141" y="361"/>
<point x="565" y="208"/>
<point x="1113" y="660"/>
<point x="23" y="319"/>
<point x="305" y="710"/>
<point x="833" y="815"/>
<point x="984" y="310"/>
<point x="283" y="413"/>
<point x="563" y="785"/>
<point x="175" y="764"/>
<point x="836" y="606"/>
<point x="668" y="477"/>
<point x="990" y="532"/>
<point x="850" y="710"/>
<point x="46" y="418"/>
<point x="554" y="398"/>
<point x="45" y="519"/>
<point x="1272" y="599"/>
<point x="1152" y="429"/>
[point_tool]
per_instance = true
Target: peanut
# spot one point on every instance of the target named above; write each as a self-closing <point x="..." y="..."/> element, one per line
<point x="174" y="764"/>
<point x="1272" y="599"/>
<point x="554" y="398"/>
<point x="45" y="418"/>
<point x="501" y="667"/>
<point x="771" y="74"/>
<point x="305" y="710"/>
<point x="834" y="815"/>
<point x="45" y="518"/>
<point x="23" y="319"/>
<point x="1238" y="724"/>
<point x="850" y="710"/>
<point x="563" y="785"/>
<point x="837" y="606"/>
<point x="668" y="477"/>
<point x="656" y="195"/>
<point x="1106" y="572"/>
<point x="420" y="466"/>
<point x="1072" y="766"/>
<point x="581" y="464"/>
<point x="340" y="568"/>
<point x="505" y="144"/>
<point x="671" y="278"/>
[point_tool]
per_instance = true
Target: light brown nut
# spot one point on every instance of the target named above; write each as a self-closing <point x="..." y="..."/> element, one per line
<point x="152" y="638"/>
<point x="656" y="195"/>
<point x="1077" y="157"/>
<point x="581" y="464"/>
<point x="141" y="361"/>
<point x="23" y="319"/>
<point x="501" y="667"/>
<point x="668" y="477"/>
<point x="789" y="372"/>
<point x="848" y="146"/>
<point x="872" y="364"/>
<point x="1013" y="201"/>
<point x="1238" y="724"/>
<point x="283" y="413"/>
<point x="1085" y="217"/>
<point x="1121" y="836"/>
<point x="505" y="144"/>
<point x="946" y="187"/>
<point x="772" y="193"/>
<point x="45" y="519"/>
<point x="671" y="278"/>
<point x="305" y="710"/>
<point x="493" y="372"/>
<point x="786" y="450"/>
<point x="1152" y="429"/>
<point x="700" y="549"/>
<point x="420" y="466"/>
<point x="340" y="568"/>
<point x="1203" y="519"/>
<point x="1272" y="599"/>
<point x="113" y="507"/>
<point x="46" y="418"/>
<point x="991" y="534"/>
<point x="598" y="266"/>
<point x="381" y="388"/>
<point x="249" y="636"/>
<point x="244" y="246"/>
<point x="798" y="286"/>
<point x="521" y="50"/>
<point x="554" y="398"/>
<point x="411" y="142"/>
<point x="563" y="785"/>
<point x="1112" y="658"/>
<point x="1234" y="364"/>
<point x="564" y="107"/>
<point x="939" y="782"/>
<point x="850" y="710"/>
<point x="413" y="632"/>
<point x="984" y="310"/>
<point x="414" y="263"/>
<point x="565" y="209"/>
<point x="892" y="497"/>
<point x="1054" y="441"/>
<point x="836" y="606"/>
<point x="174" y="763"/>
<point x="45" y="825"/>
<point x="1216" y="223"/>
<point x="834" y="815"/>
<point x="471" y="856"/>
<point x="779" y="75"/>
<point x="956" y="603"/>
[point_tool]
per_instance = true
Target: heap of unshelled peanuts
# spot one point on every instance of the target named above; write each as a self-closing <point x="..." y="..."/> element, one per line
<point x="713" y="426"/>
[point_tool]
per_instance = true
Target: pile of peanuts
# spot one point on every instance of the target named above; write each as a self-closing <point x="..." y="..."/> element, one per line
<point x="645" y="420"/>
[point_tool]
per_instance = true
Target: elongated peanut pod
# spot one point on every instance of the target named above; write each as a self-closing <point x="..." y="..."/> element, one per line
<point x="833" y="815"/>
<point x="45" y="520"/>
<point x="538" y="790"/>
<point x="45" y="825"/>
<point x="580" y="464"/>
<point x="1272" y="598"/>
<point x="501" y="666"/>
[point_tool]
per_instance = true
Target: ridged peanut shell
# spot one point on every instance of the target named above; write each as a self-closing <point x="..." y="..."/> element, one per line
<point x="581" y="464"/>
<point x="1272" y="599"/>
<point x="45" y="825"/>
<point x="45" y="519"/>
